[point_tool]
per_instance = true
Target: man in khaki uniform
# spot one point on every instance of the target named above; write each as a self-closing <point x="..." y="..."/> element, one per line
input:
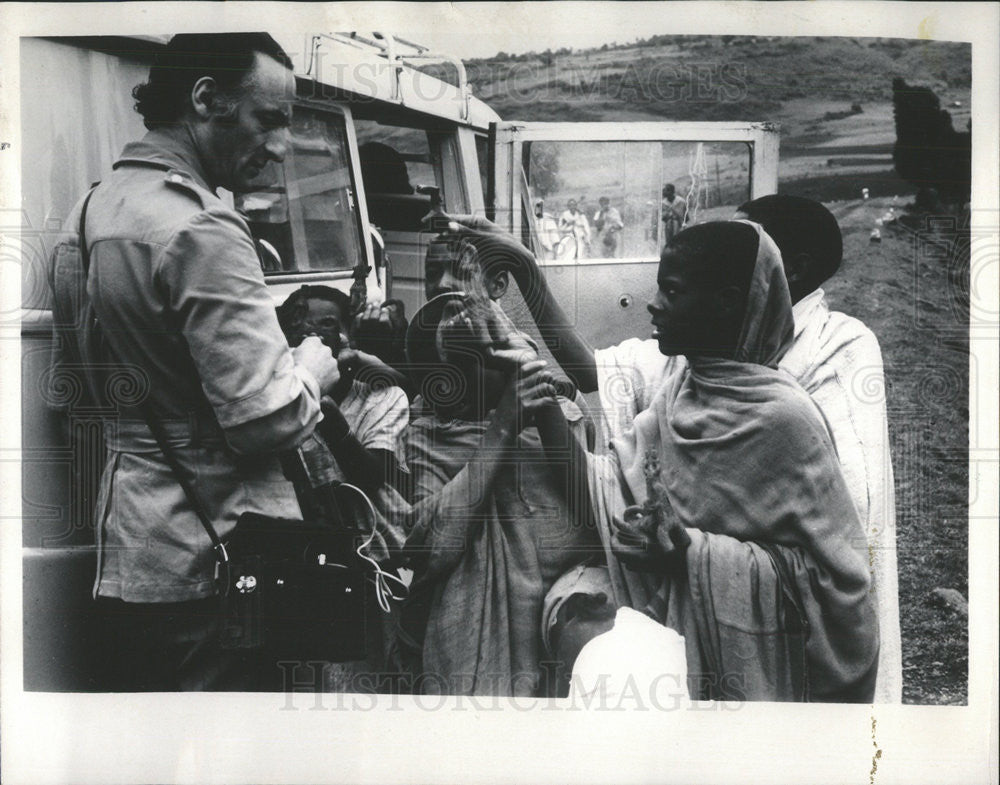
<point x="181" y="303"/>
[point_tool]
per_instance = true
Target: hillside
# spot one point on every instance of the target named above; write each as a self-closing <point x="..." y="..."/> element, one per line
<point x="832" y="96"/>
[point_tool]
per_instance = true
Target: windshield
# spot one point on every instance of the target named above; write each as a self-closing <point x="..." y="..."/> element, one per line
<point x="307" y="220"/>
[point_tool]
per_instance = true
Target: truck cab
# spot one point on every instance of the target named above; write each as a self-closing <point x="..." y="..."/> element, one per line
<point x="373" y="134"/>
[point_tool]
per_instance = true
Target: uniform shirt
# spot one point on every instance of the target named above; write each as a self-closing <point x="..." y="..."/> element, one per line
<point x="837" y="360"/>
<point x="178" y="291"/>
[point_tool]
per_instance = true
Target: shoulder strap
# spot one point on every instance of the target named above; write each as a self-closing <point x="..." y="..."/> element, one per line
<point x="82" y="232"/>
<point x="180" y="474"/>
<point x="156" y="427"/>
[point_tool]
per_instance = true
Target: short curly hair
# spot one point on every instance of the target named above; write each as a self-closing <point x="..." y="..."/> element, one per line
<point x="294" y="310"/>
<point x="226" y="57"/>
<point x="800" y="225"/>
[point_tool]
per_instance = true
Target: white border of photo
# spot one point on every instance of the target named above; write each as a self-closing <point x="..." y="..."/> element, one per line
<point x="304" y="738"/>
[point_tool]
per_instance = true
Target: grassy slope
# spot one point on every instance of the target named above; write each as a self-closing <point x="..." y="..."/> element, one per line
<point x="795" y="81"/>
<point x="903" y="289"/>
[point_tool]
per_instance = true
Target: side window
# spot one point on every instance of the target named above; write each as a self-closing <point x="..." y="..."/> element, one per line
<point x="305" y="219"/>
<point x="605" y="200"/>
<point x="395" y="161"/>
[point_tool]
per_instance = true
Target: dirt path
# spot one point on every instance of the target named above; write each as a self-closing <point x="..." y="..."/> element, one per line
<point x="911" y="290"/>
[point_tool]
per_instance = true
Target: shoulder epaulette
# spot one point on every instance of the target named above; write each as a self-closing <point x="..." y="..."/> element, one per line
<point x="182" y="181"/>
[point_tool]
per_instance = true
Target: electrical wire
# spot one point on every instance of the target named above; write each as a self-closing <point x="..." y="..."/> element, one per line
<point x="381" y="578"/>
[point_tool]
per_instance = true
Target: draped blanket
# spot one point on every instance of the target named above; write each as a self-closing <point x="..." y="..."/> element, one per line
<point x="773" y="600"/>
<point x="482" y="570"/>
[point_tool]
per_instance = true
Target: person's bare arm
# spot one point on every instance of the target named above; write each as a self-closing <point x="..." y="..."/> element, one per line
<point x="373" y="370"/>
<point x="367" y="468"/>
<point x="568" y="347"/>
<point x="447" y="511"/>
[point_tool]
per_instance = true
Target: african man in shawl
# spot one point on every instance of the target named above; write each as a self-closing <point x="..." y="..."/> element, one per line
<point x="829" y="354"/>
<point x="491" y="528"/>
<point x="832" y="356"/>
<point x="747" y="542"/>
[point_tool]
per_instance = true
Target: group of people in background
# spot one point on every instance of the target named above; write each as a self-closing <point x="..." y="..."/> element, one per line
<point x="574" y="236"/>
<point x="571" y="236"/>
<point x="722" y="524"/>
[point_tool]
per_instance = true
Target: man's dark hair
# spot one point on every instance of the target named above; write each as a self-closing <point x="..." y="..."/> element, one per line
<point x="800" y="226"/>
<point x="226" y="57"/>
<point x="295" y="308"/>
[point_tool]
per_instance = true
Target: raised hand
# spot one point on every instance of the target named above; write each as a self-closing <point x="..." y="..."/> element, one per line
<point x="649" y="538"/>
<point x="536" y="386"/>
<point x="374" y="331"/>
<point x="465" y="331"/>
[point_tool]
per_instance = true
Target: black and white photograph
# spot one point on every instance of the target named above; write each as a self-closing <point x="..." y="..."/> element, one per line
<point x="542" y="377"/>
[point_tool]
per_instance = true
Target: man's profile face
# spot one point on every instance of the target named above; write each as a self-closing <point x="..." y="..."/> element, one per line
<point x="681" y="303"/>
<point x="242" y="143"/>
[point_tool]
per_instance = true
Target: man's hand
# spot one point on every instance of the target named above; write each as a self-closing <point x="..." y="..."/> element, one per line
<point x="463" y="330"/>
<point x="536" y="386"/>
<point x="480" y="326"/>
<point x="497" y="248"/>
<point x="316" y="357"/>
<point x="374" y="331"/>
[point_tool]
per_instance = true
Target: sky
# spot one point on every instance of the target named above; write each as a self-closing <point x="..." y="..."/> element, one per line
<point x="471" y="30"/>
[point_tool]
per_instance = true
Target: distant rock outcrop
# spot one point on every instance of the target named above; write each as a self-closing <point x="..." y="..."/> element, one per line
<point x="929" y="152"/>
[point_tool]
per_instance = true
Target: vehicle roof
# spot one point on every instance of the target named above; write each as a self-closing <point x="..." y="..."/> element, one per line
<point x="361" y="73"/>
<point x="342" y="67"/>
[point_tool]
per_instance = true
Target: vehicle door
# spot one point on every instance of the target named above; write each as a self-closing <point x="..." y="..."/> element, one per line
<point x="600" y="258"/>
